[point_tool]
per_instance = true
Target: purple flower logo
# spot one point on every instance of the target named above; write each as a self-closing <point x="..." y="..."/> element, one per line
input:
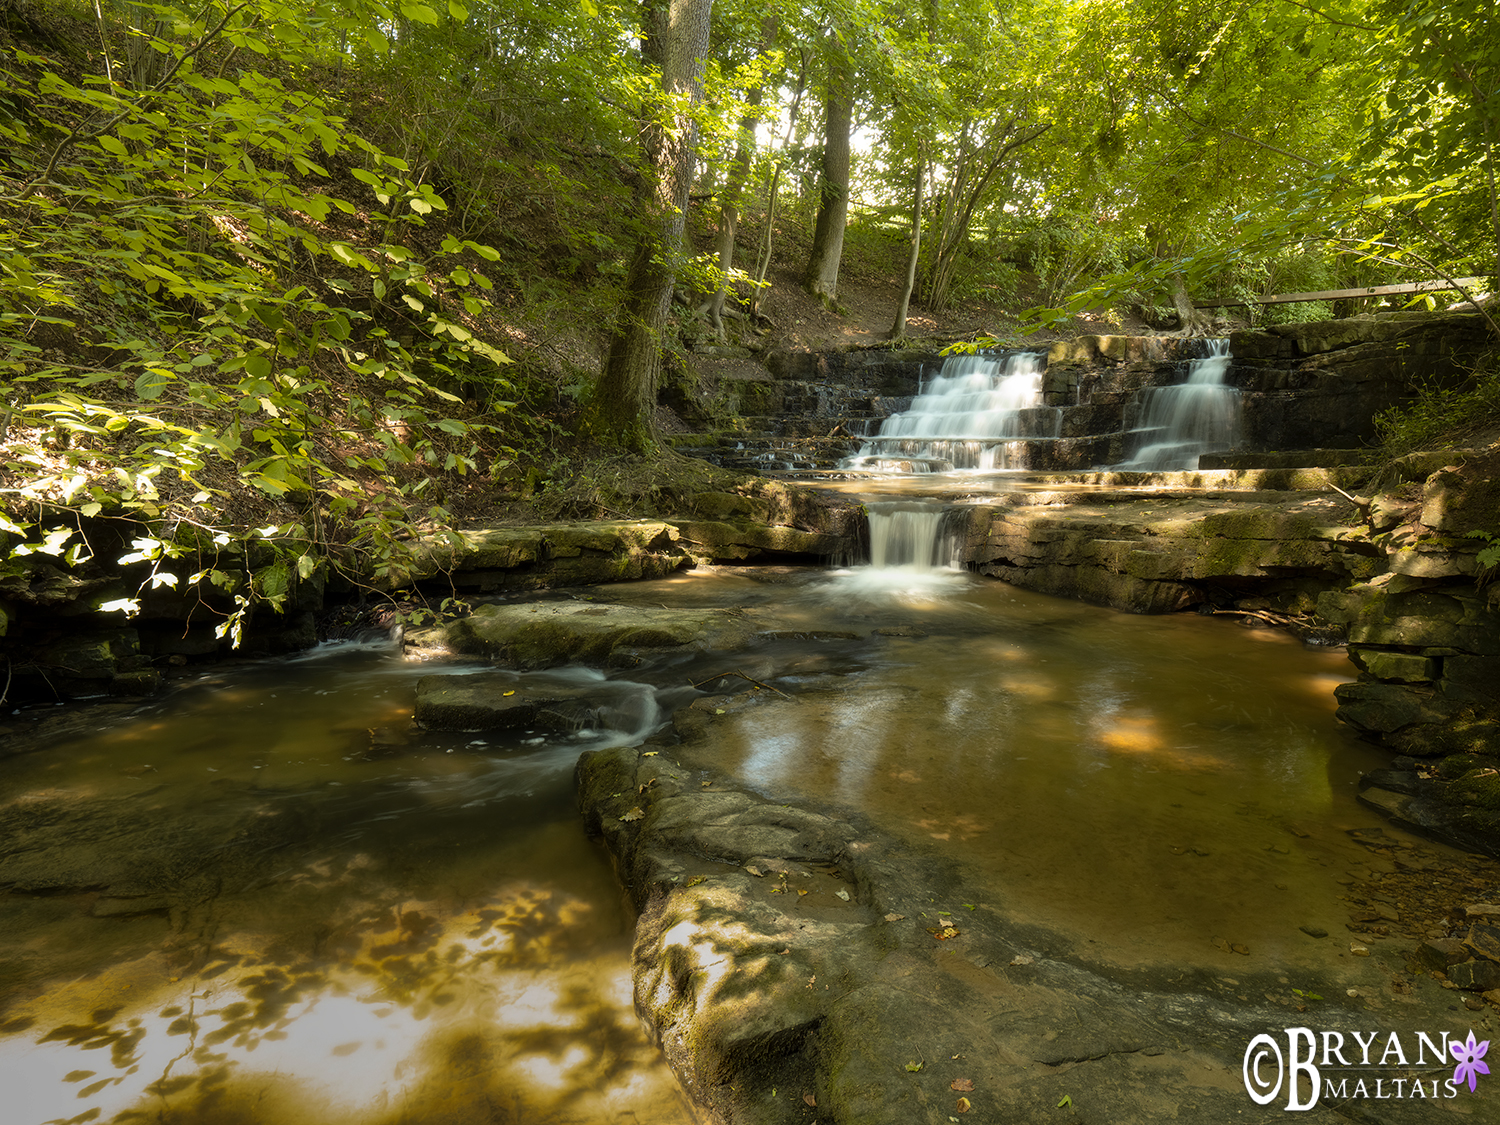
<point x="1469" y="1067"/>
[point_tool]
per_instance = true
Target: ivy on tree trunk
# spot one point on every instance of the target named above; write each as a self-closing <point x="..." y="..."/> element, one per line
<point x="675" y="39"/>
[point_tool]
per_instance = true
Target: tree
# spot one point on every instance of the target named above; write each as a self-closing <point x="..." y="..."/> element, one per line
<point x="821" y="277"/>
<point x="674" y="40"/>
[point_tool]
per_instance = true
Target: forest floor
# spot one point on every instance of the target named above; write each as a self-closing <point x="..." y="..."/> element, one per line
<point x="866" y="312"/>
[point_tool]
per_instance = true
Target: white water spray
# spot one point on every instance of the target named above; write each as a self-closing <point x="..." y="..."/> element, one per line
<point x="1180" y="423"/>
<point x="972" y="415"/>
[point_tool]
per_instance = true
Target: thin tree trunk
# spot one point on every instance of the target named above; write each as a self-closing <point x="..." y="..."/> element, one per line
<point x="899" y="328"/>
<point x="763" y="259"/>
<point x="734" y="188"/>
<point x="821" y="278"/>
<point x="676" y="39"/>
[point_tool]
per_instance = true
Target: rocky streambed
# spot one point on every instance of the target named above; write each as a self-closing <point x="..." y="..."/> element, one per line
<point x="831" y="929"/>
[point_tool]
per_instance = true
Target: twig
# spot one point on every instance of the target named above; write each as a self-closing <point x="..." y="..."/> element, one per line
<point x="747" y="679"/>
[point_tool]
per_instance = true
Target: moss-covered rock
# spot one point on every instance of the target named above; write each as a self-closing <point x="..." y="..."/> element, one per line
<point x="544" y="634"/>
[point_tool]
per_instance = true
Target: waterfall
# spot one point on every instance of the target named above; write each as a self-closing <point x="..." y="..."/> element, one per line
<point x="972" y="415"/>
<point x="1180" y="423"/>
<point x="912" y="534"/>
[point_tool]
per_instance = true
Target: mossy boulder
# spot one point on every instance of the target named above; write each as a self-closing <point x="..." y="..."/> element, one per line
<point x="544" y="634"/>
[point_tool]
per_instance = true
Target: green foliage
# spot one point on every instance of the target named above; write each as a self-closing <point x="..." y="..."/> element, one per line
<point x="1489" y="555"/>
<point x="180" y="317"/>
<point x="1440" y="416"/>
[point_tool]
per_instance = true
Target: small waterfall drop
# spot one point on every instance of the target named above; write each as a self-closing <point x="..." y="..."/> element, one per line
<point x="972" y="415"/>
<point x="913" y="534"/>
<point x="1178" y="424"/>
<point x="915" y="552"/>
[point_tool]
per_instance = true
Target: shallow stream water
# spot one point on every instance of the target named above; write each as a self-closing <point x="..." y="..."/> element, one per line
<point x="265" y="899"/>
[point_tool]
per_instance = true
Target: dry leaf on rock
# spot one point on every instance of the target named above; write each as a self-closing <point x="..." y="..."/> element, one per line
<point x="809" y="1099"/>
<point x="633" y="814"/>
<point x="962" y="1085"/>
<point x="894" y="917"/>
<point x="964" y="1105"/>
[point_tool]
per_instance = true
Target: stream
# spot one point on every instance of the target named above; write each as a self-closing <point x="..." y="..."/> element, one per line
<point x="266" y="899"/>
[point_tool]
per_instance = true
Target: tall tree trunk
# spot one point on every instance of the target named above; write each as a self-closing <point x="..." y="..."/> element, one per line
<point x="821" y="278"/>
<point x="763" y="257"/>
<point x="899" y="328"/>
<point x="624" y="402"/>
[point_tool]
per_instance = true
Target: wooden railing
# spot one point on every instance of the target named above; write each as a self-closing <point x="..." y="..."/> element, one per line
<point x="1342" y="294"/>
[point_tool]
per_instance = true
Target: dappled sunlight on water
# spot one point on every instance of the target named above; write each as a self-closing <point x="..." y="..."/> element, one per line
<point x="247" y="908"/>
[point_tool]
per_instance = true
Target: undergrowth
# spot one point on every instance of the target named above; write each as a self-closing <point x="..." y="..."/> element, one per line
<point x="1442" y="418"/>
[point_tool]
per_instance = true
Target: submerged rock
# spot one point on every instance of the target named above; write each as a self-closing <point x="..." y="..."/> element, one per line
<point x="477" y="703"/>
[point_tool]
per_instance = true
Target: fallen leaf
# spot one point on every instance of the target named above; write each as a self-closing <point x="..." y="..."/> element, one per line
<point x="943" y="933"/>
<point x="962" y="1085"/>
<point x="785" y="951"/>
<point x="842" y="894"/>
<point x="809" y="1099"/>
<point x="964" y="1105"/>
<point x="756" y="871"/>
<point x="811" y="980"/>
<point x="512" y="691"/>
<point x="1066" y="1100"/>
<point x="1021" y="959"/>
<point x="696" y="879"/>
<point x="633" y="814"/>
<point x="650" y="753"/>
<point x="894" y="917"/>
<point x="914" y="1067"/>
<point x="718" y="710"/>
<point x="801" y="891"/>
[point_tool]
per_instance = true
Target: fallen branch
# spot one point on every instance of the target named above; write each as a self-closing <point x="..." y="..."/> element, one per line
<point x="1269" y="618"/>
<point x="747" y="679"/>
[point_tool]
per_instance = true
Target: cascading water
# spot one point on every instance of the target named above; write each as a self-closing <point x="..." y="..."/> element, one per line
<point x="914" y="551"/>
<point x="1180" y="423"/>
<point x="911" y="534"/>
<point x="970" y="416"/>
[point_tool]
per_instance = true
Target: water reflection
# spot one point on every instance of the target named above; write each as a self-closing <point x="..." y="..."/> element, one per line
<point x="1151" y="785"/>
<point x="271" y="900"/>
<point x="246" y="906"/>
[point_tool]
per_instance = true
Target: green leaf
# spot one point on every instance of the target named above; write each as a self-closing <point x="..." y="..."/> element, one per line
<point x="419" y="12"/>
<point x="457" y="11"/>
<point x="150" y="384"/>
<point x="258" y="365"/>
<point x="113" y="145"/>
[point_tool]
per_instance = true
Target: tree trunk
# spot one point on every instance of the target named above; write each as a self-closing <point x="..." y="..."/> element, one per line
<point x="821" y="277"/>
<point x="734" y="188"/>
<point x="624" y="401"/>
<point x="899" y="328"/>
<point x="763" y="259"/>
<point x="1191" y="321"/>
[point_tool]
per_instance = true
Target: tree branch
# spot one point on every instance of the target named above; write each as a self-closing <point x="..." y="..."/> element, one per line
<point x="73" y="138"/>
